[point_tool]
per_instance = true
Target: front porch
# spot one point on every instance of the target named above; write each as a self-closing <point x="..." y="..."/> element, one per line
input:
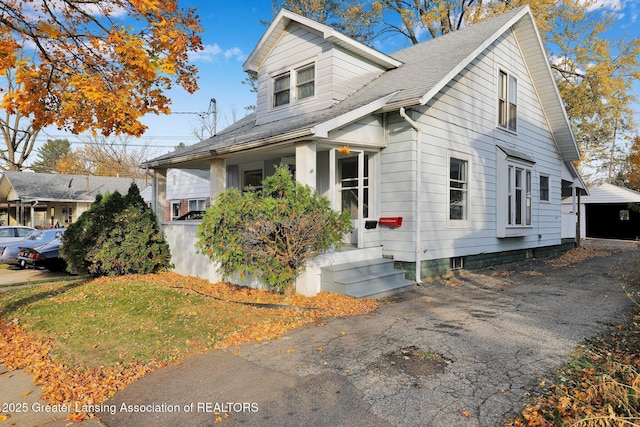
<point x="362" y="273"/>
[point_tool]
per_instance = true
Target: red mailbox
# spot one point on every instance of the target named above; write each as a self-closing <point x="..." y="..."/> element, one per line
<point x="391" y="221"/>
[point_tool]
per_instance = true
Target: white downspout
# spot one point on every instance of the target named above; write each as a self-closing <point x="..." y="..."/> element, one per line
<point x="418" y="214"/>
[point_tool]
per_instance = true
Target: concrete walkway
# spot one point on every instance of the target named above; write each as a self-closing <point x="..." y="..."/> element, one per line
<point x="491" y="341"/>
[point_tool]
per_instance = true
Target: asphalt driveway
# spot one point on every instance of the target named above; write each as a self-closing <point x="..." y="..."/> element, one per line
<point x="492" y="340"/>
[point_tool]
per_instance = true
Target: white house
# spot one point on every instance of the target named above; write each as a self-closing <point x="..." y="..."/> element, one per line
<point x="452" y="153"/>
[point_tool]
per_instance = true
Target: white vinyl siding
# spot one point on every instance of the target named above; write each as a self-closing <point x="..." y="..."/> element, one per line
<point x="336" y="74"/>
<point x="188" y="184"/>
<point x="462" y="118"/>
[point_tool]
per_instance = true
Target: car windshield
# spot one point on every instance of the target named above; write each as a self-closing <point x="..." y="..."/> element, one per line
<point x="36" y="235"/>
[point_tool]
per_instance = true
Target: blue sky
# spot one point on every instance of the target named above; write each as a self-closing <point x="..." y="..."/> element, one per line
<point x="231" y="31"/>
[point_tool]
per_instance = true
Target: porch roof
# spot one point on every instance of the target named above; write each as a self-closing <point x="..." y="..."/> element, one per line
<point x="44" y="187"/>
<point x="426" y="69"/>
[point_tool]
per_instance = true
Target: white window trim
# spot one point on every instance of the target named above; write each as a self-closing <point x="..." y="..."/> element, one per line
<point x="459" y="223"/>
<point x="293" y="84"/>
<point x="509" y="75"/>
<point x="542" y="175"/>
<point x="200" y="199"/>
<point x="246" y="167"/>
<point x="504" y="162"/>
<point x="526" y="206"/>
<point x="175" y="203"/>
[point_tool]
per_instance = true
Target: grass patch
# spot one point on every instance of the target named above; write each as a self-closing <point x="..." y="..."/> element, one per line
<point x="146" y="318"/>
<point x="105" y="333"/>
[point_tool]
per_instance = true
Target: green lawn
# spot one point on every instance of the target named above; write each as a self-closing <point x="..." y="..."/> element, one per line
<point x="101" y="323"/>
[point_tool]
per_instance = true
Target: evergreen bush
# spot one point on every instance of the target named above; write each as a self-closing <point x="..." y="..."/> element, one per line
<point x="116" y="236"/>
<point x="270" y="233"/>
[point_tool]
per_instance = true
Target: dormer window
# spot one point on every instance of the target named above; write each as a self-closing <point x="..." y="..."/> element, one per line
<point x="300" y="81"/>
<point x="305" y="82"/>
<point x="281" y="89"/>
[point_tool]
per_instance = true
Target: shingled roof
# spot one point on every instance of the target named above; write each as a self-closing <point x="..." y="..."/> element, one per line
<point x="28" y="187"/>
<point x="426" y="68"/>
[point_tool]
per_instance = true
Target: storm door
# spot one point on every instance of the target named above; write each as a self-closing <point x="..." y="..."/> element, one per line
<point x="353" y="187"/>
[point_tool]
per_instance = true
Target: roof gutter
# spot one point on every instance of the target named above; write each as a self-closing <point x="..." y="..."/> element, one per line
<point x="272" y="141"/>
<point x="418" y="213"/>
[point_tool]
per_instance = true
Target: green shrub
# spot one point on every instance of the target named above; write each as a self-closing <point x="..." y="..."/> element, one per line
<point x="117" y="235"/>
<point x="270" y="233"/>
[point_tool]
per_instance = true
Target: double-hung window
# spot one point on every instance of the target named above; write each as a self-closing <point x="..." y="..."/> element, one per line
<point x="507" y="101"/>
<point x="514" y="185"/>
<point x="294" y="85"/>
<point x="281" y="89"/>
<point x="544" y="188"/>
<point x="518" y="196"/>
<point x="305" y="82"/>
<point x="458" y="191"/>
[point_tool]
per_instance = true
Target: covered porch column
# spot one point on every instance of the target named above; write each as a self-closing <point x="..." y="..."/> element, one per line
<point x="306" y="164"/>
<point x="160" y="194"/>
<point x="217" y="177"/>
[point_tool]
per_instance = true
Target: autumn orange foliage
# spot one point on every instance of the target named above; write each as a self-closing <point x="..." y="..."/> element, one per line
<point x="69" y="385"/>
<point x="61" y="383"/>
<point x="98" y="65"/>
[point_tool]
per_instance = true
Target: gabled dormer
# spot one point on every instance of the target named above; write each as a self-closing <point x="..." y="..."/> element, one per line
<point x="305" y="66"/>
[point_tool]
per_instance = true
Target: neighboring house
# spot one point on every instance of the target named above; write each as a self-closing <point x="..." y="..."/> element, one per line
<point x="188" y="190"/>
<point x="452" y="153"/>
<point x="45" y="200"/>
<point x="609" y="212"/>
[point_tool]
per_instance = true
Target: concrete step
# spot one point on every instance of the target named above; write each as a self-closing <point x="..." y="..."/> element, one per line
<point x="365" y="279"/>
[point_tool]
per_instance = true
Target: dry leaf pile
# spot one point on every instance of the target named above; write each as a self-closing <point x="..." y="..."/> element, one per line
<point x="577" y="255"/>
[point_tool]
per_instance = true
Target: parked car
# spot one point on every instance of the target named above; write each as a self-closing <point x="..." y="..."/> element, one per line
<point x="44" y="256"/>
<point x="13" y="233"/>
<point x="9" y="251"/>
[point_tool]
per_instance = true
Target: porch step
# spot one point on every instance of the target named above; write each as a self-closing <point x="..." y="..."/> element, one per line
<point x="365" y="279"/>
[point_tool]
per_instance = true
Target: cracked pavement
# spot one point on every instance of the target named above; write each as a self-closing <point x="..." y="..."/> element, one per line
<point x="503" y="335"/>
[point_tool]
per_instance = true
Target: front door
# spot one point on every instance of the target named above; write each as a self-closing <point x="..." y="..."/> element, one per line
<point x="353" y="174"/>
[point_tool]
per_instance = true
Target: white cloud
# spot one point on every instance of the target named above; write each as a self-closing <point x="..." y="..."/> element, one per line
<point x="208" y="54"/>
<point x="605" y="4"/>
<point x="212" y="52"/>
<point x="236" y="53"/>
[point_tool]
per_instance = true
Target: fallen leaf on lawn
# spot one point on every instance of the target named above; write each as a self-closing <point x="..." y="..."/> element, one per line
<point x="502" y="273"/>
<point x="532" y="273"/>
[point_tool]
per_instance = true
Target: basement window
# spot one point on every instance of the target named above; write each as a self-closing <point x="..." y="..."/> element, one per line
<point x="456" y="263"/>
